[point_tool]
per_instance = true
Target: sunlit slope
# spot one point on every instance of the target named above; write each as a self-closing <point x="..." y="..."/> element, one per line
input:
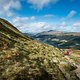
<point x="22" y="58"/>
<point x="9" y="28"/>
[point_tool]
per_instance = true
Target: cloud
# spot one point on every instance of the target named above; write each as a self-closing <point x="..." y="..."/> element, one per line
<point x="6" y="7"/>
<point x="39" y="4"/>
<point x="63" y="24"/>
<point x="22" y="19"/>
<point x="69" y="27"/>
<point x="71" y="14"/>
<point x="77" y="24"/>
<point x="22" y="22"/>
<point x="29" y="25"/>
<point x="36" y="27"/>
<point x="32" y="17"/>
<point x="12" y="4"/>
<point x="49" y="16"/>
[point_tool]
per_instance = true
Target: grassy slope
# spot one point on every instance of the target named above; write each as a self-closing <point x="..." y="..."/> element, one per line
<point x="22" y="58"/>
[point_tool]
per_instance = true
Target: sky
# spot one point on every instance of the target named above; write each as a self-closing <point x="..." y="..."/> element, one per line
<point x="35" y="16"/>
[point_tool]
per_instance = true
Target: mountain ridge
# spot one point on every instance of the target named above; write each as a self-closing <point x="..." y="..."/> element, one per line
<point x="62" y="40"/>
<point x="52" y="32"/>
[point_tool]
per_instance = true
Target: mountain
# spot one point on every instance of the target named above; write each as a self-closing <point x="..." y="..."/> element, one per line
<point x="23" y="58"/>
<point x="63" y="40"/>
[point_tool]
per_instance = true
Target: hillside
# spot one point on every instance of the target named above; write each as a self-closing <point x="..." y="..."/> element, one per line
<point x="63" y="40"/>
<point x="22" y="58"/>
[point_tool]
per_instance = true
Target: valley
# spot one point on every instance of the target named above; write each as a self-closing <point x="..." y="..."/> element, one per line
<point x="62" y="40"/>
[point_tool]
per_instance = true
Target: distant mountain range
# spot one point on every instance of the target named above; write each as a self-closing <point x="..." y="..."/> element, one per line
<point x="63" y="40"/>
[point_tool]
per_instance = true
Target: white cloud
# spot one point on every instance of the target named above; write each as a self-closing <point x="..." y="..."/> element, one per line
<point x="29" y="25"/>
<point x="77" y="24"/>
<point x="22" y="19"/>
<point x="63" y="24"/>
<point x="32" y="17"/>
<point x="12" y="4"/>
<point x="6" y="7"/>
<point x="39" y="4"/>
<point x="71" y="14"/>
<point x="36" y="27"/>
<point x="69" y="27"/>
<point x="49" y="15"/>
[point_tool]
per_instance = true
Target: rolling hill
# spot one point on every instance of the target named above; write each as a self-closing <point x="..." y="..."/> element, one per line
<point x="62" y="40"/>
<point x="22" y="58"/>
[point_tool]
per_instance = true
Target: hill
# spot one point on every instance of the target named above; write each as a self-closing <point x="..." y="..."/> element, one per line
<point x="22" y="58"/>
<point x="63" y="40"/>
